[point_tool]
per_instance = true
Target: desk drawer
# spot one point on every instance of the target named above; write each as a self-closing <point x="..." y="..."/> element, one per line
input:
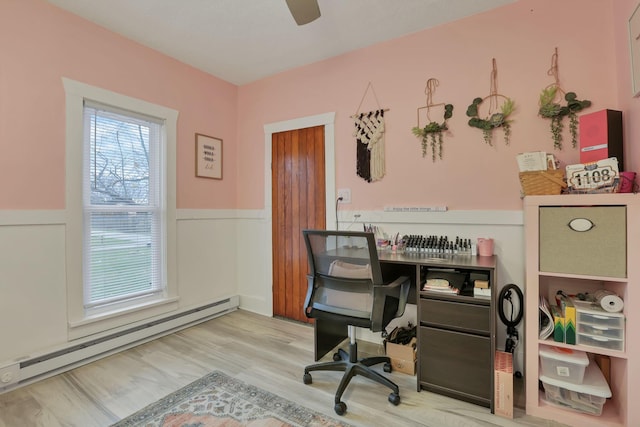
<point x="598" y="249"/>
<point x="456" y="361"/>
<point x="453" y="315"/>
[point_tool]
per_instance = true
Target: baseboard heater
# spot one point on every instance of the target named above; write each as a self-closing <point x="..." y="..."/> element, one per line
<point x="34" y="369"/>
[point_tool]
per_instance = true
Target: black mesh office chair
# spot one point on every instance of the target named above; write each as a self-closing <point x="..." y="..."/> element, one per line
<point x="345" y="285"/>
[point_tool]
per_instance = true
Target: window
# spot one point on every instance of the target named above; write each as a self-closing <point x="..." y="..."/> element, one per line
<point x="121" y="219"/>
<point x="123" y="200"/>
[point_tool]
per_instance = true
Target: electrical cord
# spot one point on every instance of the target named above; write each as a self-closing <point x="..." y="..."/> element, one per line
<point x="338" y="200"/>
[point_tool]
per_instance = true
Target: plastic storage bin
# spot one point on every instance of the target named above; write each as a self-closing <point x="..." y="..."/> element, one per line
<point x="598" y="328"/>
<point x="588" y="397"/>
<point x="563" y="364"/>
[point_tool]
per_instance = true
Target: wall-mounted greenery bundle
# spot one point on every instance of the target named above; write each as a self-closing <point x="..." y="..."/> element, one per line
<point x="553" y="110"/>
<point x="432" y="132"/>
<point x="494" y="121"/>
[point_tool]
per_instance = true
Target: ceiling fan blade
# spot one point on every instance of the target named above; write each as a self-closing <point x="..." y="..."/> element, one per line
<point x="304" y="11"/>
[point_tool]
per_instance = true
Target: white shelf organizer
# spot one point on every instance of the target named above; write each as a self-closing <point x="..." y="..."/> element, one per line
<point x="605" y="257"/>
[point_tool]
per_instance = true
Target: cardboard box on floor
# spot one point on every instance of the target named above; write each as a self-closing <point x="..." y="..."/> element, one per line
<point x="503" y="384"/>
<point x="403" y="357"/>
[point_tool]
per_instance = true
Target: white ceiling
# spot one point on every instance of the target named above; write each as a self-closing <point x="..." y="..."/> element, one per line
<point x="241" y="41"/>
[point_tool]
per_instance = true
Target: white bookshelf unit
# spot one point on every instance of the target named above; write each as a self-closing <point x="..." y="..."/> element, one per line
<point x="607" y="256"/>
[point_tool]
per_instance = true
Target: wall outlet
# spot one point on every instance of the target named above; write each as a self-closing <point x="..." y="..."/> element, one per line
<point x="345" y="193"/>
<point x="9" y="375"/>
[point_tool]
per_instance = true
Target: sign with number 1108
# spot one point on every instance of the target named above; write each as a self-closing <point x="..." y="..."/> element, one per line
<point x="603" y="173"/>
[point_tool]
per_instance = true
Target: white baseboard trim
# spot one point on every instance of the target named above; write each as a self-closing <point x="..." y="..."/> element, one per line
<point x="255" y="305"/>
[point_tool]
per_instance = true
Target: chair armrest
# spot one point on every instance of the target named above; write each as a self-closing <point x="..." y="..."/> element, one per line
<point x="405" y="284"/>
<point x="399" y="289"/>
<point x="310" y="292"/>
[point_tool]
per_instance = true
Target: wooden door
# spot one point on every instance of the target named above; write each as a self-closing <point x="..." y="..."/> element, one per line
<point x="298" y="202"/>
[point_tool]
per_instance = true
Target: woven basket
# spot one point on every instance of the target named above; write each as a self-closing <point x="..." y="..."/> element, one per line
<point x="538" y="183"/>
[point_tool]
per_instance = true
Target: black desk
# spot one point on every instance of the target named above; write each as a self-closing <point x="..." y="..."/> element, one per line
<point x="456" y="334"/>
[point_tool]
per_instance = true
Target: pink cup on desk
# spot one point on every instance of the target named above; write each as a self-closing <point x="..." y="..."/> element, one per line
<point x="485" y="247"/>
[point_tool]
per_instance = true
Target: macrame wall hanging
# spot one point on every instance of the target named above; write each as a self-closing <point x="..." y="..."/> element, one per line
<point x="369" y="133"/>
<point x="433" y="131"/>
<point x="551" y="107"/>
<point x="497" y="116"/>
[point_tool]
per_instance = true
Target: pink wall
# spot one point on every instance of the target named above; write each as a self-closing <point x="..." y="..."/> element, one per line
<point x="628" y="104"/>
<point x="521" y="36"/>
<point x="40" y="44"/>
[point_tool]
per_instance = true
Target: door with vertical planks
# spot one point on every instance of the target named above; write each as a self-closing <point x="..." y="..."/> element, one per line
<point x="298" y="202"/>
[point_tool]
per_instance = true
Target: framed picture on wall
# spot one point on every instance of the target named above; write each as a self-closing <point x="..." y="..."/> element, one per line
<point x="634" y="45"/>
<point x="208" y="157"/>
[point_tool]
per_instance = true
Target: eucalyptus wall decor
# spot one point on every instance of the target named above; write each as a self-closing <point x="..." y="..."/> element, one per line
<point x="494" y="120"/>
<point x="551" y="107"/>
<point x="497" y="117"/>
<point x="433" y="131"/>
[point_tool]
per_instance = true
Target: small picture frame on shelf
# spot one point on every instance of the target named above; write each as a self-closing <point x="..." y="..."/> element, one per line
<point x="208" y="157"/>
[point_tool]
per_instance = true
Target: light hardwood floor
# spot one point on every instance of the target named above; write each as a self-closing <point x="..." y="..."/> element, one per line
<point x="266" y="352"/>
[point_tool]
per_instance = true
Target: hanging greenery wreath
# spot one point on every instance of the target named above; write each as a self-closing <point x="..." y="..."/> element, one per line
<point x="432" y="132"/>
<point x="553" y="110"/>
<point x="494" y="121"/>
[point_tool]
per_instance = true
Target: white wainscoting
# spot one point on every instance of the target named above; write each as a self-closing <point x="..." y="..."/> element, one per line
<point x="253" y="247"/>
<point x="33" y="304"/>
<point x="221" y="253"/>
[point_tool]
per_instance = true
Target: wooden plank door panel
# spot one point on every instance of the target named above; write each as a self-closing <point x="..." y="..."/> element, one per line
<point x="298" y="202"/>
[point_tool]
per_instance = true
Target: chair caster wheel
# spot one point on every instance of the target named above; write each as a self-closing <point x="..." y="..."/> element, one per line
<point x="340" y="408"/>
<point x="387" y="367"/>
<point x="336" y="357"/>
<point x="306" y="378"/>
<point x="394" y="398"/>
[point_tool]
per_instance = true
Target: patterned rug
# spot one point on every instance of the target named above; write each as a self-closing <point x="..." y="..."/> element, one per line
<point x="217" y="400"/>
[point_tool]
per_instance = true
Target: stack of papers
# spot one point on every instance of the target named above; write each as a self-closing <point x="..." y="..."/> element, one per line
<point x="536" y="161"/>
<point x="481" y="288"/>
<point x="546" y="319"/>
<point x="439" y="285"/>
<point x="480" y="292"/>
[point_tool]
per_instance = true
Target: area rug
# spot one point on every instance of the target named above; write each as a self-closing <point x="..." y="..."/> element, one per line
<point x="218" y="400"/>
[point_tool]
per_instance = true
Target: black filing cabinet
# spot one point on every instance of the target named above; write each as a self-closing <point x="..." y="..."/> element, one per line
<point x="456" y="346"/>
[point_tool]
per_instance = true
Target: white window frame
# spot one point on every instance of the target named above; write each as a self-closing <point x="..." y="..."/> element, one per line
<point x="80" y="322"/>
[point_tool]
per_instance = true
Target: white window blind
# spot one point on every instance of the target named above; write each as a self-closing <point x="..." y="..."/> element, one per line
<point x="123" y="203"/>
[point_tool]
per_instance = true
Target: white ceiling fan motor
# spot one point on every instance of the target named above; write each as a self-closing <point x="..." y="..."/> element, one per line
<point x="304" y="11"/>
